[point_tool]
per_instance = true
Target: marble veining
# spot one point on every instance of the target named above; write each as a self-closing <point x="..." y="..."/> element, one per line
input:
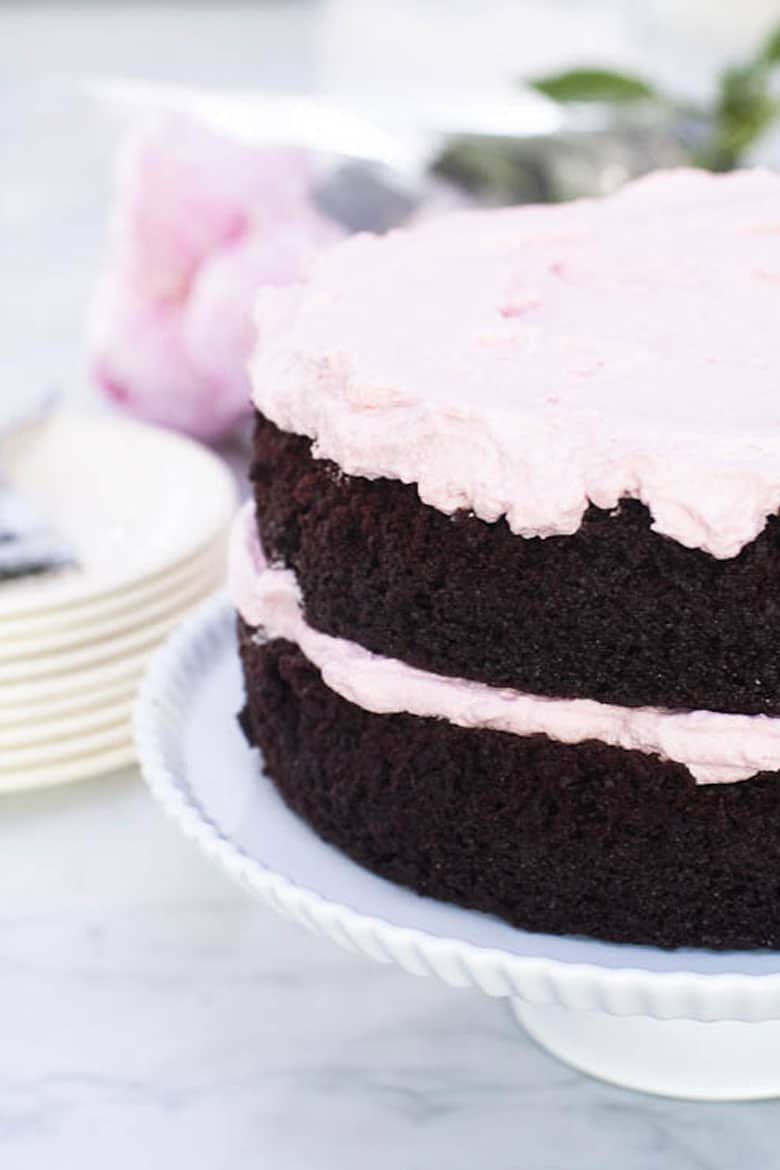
<point x="154" y="1015"/>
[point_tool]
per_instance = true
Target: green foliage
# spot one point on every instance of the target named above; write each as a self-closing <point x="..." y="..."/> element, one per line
<point x="744" y="107"/>
<point x="593" y="85"/>
<point x="771" y="50"/>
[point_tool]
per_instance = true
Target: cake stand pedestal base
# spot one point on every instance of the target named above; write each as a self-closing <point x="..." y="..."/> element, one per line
<point x="722" y="1061"/>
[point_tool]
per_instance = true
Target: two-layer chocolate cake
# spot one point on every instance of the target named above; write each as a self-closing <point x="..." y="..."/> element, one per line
<point x="510" y="582"/>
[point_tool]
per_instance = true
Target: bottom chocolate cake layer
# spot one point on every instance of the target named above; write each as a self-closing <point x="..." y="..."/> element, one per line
<point x="567" y="839"/>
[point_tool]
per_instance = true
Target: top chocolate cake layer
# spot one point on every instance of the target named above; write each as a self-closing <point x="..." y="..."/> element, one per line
<point x="615" y="612"/>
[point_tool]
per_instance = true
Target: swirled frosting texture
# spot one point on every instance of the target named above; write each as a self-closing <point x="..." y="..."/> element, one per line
<point x="524" y="362"/>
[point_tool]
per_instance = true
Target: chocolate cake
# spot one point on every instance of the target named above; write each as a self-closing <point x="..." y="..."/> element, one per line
<point x="509" y="581"/>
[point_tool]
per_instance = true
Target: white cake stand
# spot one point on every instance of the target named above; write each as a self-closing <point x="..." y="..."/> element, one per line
<point x="684" y="1023"/>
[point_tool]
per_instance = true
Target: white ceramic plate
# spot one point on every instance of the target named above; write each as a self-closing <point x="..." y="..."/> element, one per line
<point x="38" y="698"/>
<point x="28" y="653"/>
<point x="574" y="994"/>
<point x="49" y="732"/>
<point x="133" y="500"/>
<point x="69" y="705"/>
<point x="42" y="733"/>
<point x="48" y="752"/>
<point x="209" y="561"/>
<point x="108" y="651"/>
<point x="86" y="768"/>
<point x="87" y="684"/>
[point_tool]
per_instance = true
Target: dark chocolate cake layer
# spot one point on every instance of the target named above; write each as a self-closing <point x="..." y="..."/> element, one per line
<point x="584" y="839"/>
<point x="615" y="612"/>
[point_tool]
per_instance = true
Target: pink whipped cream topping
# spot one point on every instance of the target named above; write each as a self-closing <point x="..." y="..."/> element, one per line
<point x="716" y="748"/>
<point x="524" y="362"/>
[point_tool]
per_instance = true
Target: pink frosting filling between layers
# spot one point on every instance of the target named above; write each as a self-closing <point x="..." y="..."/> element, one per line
<point x="716" y="748"/>
<point x="524" y="362"/>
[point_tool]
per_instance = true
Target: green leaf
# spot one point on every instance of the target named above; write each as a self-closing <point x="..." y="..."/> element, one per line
<point x="593" y="85"/>
<point x="743" y="89"/>
<point x="744" y="110"/>
<point x="770" y="53"/>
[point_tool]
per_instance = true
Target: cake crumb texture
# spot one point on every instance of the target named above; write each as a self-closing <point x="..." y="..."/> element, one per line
<point x="616" y="612"/>
<point x="583" y="839"/>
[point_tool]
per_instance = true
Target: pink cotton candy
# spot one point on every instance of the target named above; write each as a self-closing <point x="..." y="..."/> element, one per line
<point x="201" y="223"/>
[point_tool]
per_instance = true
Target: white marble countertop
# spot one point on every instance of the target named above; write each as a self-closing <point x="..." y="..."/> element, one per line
<point x="151" y="1015"/>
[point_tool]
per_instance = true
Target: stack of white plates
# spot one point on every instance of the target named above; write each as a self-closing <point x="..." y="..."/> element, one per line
<point x="146" y="513"/>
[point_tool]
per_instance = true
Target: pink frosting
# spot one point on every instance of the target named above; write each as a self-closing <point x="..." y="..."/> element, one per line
<point x="524" y="362"/>
<point x="714" y="747"/>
